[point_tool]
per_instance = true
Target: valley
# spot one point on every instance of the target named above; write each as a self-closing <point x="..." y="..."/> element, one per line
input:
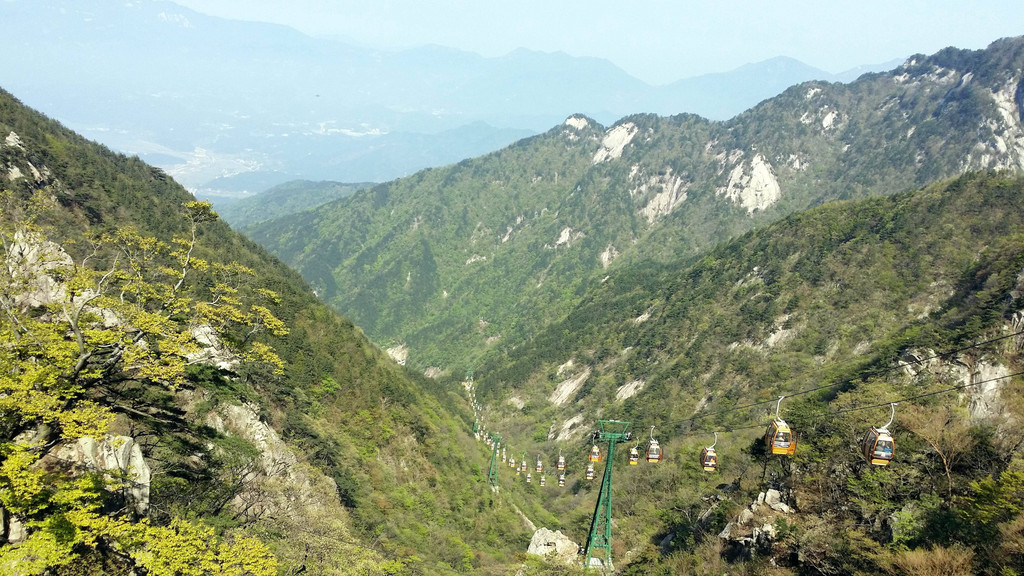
<point x="837" y="256"/>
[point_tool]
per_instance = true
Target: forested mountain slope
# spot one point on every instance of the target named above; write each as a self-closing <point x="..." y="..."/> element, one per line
<point x="284" y="199"/>
<point x="913" y="298"/>
<point x="454" y="261"/>
<point x="238" y="425"/>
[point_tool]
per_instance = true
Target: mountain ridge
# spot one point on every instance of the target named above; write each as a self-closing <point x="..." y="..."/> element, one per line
<point x="493" y="247"/>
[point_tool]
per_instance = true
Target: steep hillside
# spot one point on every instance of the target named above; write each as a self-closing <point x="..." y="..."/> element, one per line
<point x="455" y="261"/>
<point x="913" y="298"/>
<point x="236" y="420"/>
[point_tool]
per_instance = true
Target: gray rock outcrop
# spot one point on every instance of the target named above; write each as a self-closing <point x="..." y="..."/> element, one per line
<point x="554" y="546"/>
<point x="112" y="454"/>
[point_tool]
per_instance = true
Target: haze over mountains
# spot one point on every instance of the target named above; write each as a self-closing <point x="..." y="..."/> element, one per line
<point x="230" y="107"/>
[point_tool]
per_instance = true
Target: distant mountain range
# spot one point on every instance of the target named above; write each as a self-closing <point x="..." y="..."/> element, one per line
<point x="208" y="99"/>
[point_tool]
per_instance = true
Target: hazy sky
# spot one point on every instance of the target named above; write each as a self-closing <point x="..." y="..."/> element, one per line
<point x="658" y="41"/>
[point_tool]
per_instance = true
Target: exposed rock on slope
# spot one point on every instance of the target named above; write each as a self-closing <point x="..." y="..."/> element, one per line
<point x="555" y="546"/>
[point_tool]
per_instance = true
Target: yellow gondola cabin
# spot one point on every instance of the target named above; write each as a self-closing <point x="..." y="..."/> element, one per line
<point x="708" y="458"/>
<point x="779" y="439"/>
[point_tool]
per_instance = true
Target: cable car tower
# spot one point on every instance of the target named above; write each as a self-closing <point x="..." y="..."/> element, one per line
<point x="599" y="542"/>
<point x="492" y="474"/>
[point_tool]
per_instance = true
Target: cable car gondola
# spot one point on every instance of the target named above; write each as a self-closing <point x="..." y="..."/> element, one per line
<point x="878" y="445"/>
<point x="595" y="454"/>
<point x="561" y="480"/>
<point x="540" y="465"/>
<point x="708" y="458"/>
<point x="590" y="471"/>
<point x="542" y="481"/>
<point x="561" y="462"/>
<point x="778" y="438"/>
<point x="634" y="455"/>
<point x="654" y="453"/>
<point x="529" y="478"/>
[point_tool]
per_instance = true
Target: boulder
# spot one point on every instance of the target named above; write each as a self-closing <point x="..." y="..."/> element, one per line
<point x="213" y="352"/>
<point x="746" y="516"/>
<point x="112" y="453"/>
<point x="554" y="545"/>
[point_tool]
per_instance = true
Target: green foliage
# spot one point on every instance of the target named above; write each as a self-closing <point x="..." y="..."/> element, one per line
<point x="58" y="370"/>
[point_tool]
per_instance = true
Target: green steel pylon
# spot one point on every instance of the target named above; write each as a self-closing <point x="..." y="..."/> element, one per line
<point x="599" y="542"/>
<point x="492" y="474"/>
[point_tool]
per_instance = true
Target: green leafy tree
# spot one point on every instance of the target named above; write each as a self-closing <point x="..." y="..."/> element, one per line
<point x="126" y="309"/>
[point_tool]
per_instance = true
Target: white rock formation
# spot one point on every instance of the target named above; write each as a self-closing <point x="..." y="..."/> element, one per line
<point x="984" y="399"/>
<point x="13" y="140"/>
<point x="577" y="122"/>
<point x="1006" y="150"/>
<point x="554" y="546"/>
<point x="615" y="141"/>
<point x="752" y="186"/>
<point x="213" y="352"/>
<point x="573" y="126"/>
<point x="112" y="454"/>
<point x="31" y="260"/>
<point x="669" y="191"/>
<point x="567" y="236"/>
<point x="610" y="253"/>
<point x="570" y="428"/>
<point x="279" y="485"/>
<point x="983" y="380"/>
<point x="566" y="366"/>
<point x="566" y="388"/>
<point x="15" y="528"/>
<point x="399" y="354"/>
<point x="244" y="422"/>
<point x="629" y="389"/>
